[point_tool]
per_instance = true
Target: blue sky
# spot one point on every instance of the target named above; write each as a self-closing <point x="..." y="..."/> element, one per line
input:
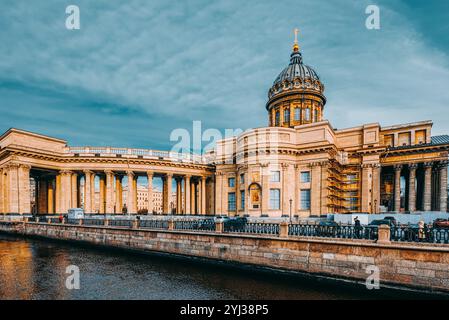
<point x="136" y="70"/>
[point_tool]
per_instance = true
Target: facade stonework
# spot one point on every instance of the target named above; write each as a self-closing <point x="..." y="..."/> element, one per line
<point x="299" y="165"/>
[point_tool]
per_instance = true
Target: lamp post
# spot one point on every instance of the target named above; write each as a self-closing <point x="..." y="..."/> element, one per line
<point x="290" y="210"/>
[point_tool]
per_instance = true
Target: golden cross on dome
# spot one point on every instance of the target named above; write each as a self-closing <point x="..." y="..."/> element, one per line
<point x="295" y="45"/>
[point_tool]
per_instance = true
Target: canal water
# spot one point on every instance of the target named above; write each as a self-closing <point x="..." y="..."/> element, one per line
<point x="35" y="269"/>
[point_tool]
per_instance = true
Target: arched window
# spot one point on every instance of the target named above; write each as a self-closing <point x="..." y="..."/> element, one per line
<point x="307" y="114"/>
<point x="286" y="115"/>
<point x="297" y="114"/>
<point x="277" y="118"/>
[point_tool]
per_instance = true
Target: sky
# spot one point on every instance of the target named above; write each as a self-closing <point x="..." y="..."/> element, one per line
<point x="137" y="70"/>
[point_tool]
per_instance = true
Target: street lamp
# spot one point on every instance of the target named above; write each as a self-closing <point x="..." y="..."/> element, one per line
<point x="290" y="210"/>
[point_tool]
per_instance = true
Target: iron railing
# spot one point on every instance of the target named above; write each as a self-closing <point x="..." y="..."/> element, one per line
<point x="339" y="232"/>
<point x="205" y="225"/>
<point x="154" y="224"/>
<point x="93" y="222"/>
<point x="258" y="228"/>
<point x="120" y="223"/>
<point x="414" y="234"/>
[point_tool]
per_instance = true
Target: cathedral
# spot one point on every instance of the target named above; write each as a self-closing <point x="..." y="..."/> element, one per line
<point x="299" y="165"/>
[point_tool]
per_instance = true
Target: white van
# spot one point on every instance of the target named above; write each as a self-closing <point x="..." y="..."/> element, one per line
<point x="76" y="213"/>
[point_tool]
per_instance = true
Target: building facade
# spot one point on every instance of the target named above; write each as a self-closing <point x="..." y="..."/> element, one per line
<point x="298" y="165"/>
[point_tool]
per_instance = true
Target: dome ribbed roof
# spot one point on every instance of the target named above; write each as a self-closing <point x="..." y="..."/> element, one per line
<point x="296" y="69"/>
<point x="296" y="78"/>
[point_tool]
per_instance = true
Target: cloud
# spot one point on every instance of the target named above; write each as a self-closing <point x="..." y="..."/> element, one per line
<point x="137" y="70"/>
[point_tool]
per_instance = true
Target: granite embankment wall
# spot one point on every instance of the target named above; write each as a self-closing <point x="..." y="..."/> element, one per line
<point x="420" y="266"/>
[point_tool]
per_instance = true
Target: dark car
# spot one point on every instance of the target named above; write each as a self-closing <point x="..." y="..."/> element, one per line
<point x="392" y="219"/>
<point x="377" y="223"/>
<point x="441" y="224"/>
<point x="327" y="228"/>
<point x="235" y="224"/>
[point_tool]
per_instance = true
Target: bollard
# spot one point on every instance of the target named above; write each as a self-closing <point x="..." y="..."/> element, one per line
<point x="106" y="222"/>
<point x="219" y="226"/>
<point x="80" y="222"/>
<point x="49" y="220"/>
<point x="135" y="224"/>
<point x="283" y="229"/>
<point x="63" y="221"/>
<point x="171" y="224"/>
<point x="383" y="234"/>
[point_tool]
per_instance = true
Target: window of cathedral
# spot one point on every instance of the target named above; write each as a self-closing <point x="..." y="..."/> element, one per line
<point x="275" y="199"/>
<point x="305" y="199"/>
<point x="287" y="116"/>
<point x="277" y="118"/>
<point x="305" y="176"/>
<point x="275" y="176"/>
<point x="231" y="201"/>
<point x="307" y="114"/>
<point x="297" y="114"/>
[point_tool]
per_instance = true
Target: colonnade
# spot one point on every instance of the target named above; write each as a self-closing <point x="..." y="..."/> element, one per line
<point x="57" y="191"/>
<point x="426" y="185"/>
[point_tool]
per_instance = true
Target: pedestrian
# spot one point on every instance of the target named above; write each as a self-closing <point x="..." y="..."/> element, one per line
<point x="61" y="218"/>
<point x="421" y="231"/>
<point x="357" y="227"/>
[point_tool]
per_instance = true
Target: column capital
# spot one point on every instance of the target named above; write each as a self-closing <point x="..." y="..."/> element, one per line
<point x="442" y="164"/>
<point x="108" y="172"/>
<point x="65" y="172"/>
<point x="150" y="173"/>
<point x="169" y="174"/>
<point x="412" y="166"/>
<point x="87" y="171"/>
<point x="397" y="167"/>
<point x="130" y="173"/>
<point x="428" y="164"/>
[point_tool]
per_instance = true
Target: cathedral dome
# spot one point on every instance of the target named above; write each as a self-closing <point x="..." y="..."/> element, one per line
<point x="296" y="96"/>
<point x="296" y="77"/>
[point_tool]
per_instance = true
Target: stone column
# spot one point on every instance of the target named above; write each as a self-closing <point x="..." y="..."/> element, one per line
<point x="219" y="193"/>
<point x="150" y="191"/>
<point x="109" y="191"/>
<point x="74" y="183"/>
<point x="92" y="192"/>
<point x="411" y="187"/>
<point x="87" y="191"/>
<point x="443" y="185"/>
<point x="118" y="194"/>
<point x="377" y="169"/>
<point x="136" y="207"/>
<point x="58" y="196"/>
<point x="24" y="189"/>
<point x="2" y="190"/>
<point x="285" y="204"/>
<point x="203" y="195"/>
<point x="167" y="193"/>
<point x="178" y="195"/>
<point x="50" y="197"/>
<point x="366" y="188"/>
<point x="427" y="186"/>
<point x="130" y="199"/>
<point x="187" y="194"/>
<point x="65" y="191"/>
<point x="265" y="188"/>
<point x="193" y="197"/>
<point x="102" y="199"/>
<point x="397" y="187"/>
<point x="315" y="188"/>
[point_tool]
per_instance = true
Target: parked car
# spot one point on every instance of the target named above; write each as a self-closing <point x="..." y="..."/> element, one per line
<point x="441" y="224"/>
<point x="75" y="213"/>
<point x="327" y="228"/>
<point x="377" y="223"/>
<point x="392" y="219"/>
<point x="235" y="224"/>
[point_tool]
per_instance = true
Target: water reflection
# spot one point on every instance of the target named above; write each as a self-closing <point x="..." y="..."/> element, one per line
<point x="35" y="269"/>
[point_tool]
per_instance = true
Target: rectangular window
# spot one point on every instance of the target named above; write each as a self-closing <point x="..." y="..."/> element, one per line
<point x="231" y="182"/>
<point x="231" y="201"/>
<point x="305" y="176"/>
<point x="242" y="199"/>
<point x="275" y="176"/>
<point x="305" y="199"/>
<point x="297" y="114"/>
<point x="242" y="178"/>
<point x="286" y="116"/>
<point x="277" y="118"/>
<point x="307" y="114"/>
<point x="275" y="195"/>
